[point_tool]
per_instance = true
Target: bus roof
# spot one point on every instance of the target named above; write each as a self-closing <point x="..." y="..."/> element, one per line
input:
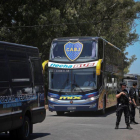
<point x="77" y="38"/>
<point x="74" y="38"/>
<point x="14" y="44"/>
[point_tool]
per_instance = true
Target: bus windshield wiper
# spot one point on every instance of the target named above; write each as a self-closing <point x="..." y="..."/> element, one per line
<point x="64" y="84"/>
<point x="75" y="84"/>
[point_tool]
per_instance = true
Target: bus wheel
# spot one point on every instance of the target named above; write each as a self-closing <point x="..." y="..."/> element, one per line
<point x="60" y="113"/>
<point x="24" y="131"/>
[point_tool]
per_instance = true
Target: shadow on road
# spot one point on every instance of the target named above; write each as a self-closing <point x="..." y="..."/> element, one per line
<point x="32" y="136"/>
<point x="38" y="135"/>
<point x="123" y="128"/>
<point x="109" y="111"/>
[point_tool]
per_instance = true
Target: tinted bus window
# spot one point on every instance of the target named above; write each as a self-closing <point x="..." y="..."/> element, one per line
<point x="59" y="53"/>
<point x="100" y="49"/>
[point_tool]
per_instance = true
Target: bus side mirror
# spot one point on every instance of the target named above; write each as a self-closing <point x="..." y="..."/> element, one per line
<point x="98" y="67"/>
<point x="44" y="64"/>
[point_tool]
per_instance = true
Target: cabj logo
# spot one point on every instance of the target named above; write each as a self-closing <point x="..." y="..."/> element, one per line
<point x="70" y="97"/>
<point x="73" y="50"/>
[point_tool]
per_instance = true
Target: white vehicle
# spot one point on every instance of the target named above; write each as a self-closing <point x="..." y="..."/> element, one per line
<point x="129" y="79"/>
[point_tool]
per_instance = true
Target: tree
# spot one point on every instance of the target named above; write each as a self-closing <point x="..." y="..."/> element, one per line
<point x="128" y="63"/>
<point x="36" y="23"/>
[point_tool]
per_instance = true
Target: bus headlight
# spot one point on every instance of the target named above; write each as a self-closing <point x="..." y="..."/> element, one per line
<point x="51" y="99"/>
<point x="94" y="98"/>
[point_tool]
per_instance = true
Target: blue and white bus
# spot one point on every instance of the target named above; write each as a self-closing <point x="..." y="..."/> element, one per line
<point x="83" y="74"/>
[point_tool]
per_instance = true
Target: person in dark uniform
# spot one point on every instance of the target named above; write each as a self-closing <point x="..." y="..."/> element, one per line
<point x="139" y="94"/>
<point x="132" y="94"/>
<point x="122" y="105"/>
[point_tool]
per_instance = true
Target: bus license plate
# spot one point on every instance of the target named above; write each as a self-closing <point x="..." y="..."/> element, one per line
<point x="71" y="108"/>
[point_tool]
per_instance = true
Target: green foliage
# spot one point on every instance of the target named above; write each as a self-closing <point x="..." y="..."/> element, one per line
<point x="128" y="63"/>
<point x="36" y="23"/>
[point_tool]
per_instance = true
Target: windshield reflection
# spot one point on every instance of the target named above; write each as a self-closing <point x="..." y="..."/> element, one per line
<point x="78" y="80"/>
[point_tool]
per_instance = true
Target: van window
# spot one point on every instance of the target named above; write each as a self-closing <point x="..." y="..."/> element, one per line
<point x="2" y="53"/>
<point x="16" y="52"/>
<point x="4" y="80"/>
<point x="20" y="74"/>
<point x="32" y="52"/>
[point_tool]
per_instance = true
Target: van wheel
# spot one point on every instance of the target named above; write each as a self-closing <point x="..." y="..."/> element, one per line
<point x="60" y="113"/>
<point x="24" y="131"/>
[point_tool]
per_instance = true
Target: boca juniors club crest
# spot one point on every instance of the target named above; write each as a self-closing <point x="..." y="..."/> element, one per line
<point x="73" y="50"/>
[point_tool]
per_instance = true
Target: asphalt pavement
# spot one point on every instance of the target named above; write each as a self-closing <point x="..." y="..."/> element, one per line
<point x="83" y="126"/>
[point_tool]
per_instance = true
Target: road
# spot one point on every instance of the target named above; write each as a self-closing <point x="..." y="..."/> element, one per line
<point x="83" y="126"/>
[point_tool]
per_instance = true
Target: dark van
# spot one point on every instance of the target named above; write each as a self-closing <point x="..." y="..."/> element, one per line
<point x="21" y="89"/>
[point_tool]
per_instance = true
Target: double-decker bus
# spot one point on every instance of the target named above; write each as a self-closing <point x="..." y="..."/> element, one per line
<point x="83" y="74"/>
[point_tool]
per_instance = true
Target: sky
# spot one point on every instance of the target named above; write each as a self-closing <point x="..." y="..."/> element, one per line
<point x="135" y="49"/>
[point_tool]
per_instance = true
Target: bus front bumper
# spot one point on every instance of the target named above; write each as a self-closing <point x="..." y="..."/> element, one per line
<point x="89" y="104"/>
<point x="75" y="107"/>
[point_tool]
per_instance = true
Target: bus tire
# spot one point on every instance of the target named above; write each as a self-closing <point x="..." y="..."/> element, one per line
<point x="60" y="113"/>
<point x="23" y="132"/>
<point x="104" y="106"/>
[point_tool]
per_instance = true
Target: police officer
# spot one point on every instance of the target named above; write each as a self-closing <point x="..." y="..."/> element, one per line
<point x="122" y="105"/>
<point x="132" y="94"/>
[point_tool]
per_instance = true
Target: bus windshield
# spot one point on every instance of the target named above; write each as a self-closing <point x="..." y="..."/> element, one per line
<point x="89" y="51"/>
<point x="78" y="80"/>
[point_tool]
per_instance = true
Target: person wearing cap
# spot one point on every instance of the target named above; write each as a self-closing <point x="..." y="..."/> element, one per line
<point x="132" y="93"/>
<point x="122" y="106"/>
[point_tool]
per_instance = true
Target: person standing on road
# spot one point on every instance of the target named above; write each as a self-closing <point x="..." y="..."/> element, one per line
<point x="132" y="94"/>
<point x="122" y="105"/>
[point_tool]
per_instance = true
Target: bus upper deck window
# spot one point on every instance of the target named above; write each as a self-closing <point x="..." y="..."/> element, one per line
<point x="93" y="55"/>
<point x="87" y="52"/>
